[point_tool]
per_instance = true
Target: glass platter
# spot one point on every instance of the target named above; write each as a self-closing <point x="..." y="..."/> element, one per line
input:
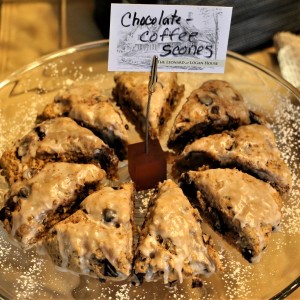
<point x="28" y="275"/>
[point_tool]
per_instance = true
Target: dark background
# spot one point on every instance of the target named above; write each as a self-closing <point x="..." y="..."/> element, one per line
<point x="253" y="24"/>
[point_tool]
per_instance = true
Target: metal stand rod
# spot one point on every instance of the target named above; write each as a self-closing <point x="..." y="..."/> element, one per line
<point x="151" y="90"/>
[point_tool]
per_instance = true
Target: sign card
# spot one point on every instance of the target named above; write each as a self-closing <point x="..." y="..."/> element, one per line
<point x="185" y="38"/>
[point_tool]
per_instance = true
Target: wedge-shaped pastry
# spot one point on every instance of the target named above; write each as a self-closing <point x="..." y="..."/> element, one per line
<point x="131" y="93"/>
<point x="33" y="206"/>
<point x="86" y="104"/>
<point x="171" y="244"/>
<point x="212" y="108"/>
<point x="59" y="139"/>
<point x="250" y="148"/>
<point x="242" y="208"/>
<point x="97" y="240"/>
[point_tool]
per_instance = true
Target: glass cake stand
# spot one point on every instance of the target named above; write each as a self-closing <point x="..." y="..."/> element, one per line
<point x="31" y="275"/>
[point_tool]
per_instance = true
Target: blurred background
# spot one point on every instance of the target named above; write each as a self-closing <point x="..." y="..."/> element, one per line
<point x="31" y="29"/>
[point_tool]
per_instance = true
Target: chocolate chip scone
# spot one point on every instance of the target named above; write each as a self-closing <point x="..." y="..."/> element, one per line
<point x="171" y="243"/>
<point x="97" y="240"/>
<point x="34" y="205"/>
<point x="59" y="139"/>
<point x="242" y="208"/>
<point x="89" y="107"/>
<point x="250" y="148"/>
<point x="131" y="93"/>
<point x="212" y="108"/>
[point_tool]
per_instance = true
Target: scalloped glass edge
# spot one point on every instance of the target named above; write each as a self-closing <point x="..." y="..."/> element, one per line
<point x="294" y="285"/>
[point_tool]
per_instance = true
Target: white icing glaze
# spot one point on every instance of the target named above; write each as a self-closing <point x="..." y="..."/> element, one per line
<point x="137" y="84"/>
<point x="82" y="91"/>
<point x="112" y="199"/>
<point x="62" y="135"/>
<point x="173" y="219"/>
<point x="55" y="185"/>
<point x="100" y="115"/>
<point x="95" y="234"/>
<point x="194" y="111"/>
<point x="252" y="146"/>
<point x="253" y="201"/>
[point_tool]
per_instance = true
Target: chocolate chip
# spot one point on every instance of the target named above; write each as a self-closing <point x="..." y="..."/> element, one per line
<point x="104" y="158"/>
<point x="247" y="253"/>
<point x="159" y="239"/>
<point x="215" y="110"/>
<point x="161" y="121"/>
<point x="187" y="120"/>
<point x="126" y="126"/>
<point x="206" y="100"/>
<point x="177" y="130"/>
<point x="109" y="269"/>
<point x="60" y="210"/>
<point x="40" y="132"/>
<point x="109" y="214"/>
<point x="152" y="255"/>
<point x="24" y="192"/>
<point x="218" y="222"/>
<point x="116" y="188"/>
<point x="5" y="213"/>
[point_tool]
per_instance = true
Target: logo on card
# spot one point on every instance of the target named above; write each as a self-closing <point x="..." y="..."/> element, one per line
<point x="185" y="38"/>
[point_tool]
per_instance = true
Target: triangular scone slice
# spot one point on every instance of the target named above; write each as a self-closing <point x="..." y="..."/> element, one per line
<point x="59" y="139"/>
<point x="171" y="244"/>
<point x="242" y="208"/>
<point x="89" y="107"/>
<point x="33" y="206"/>
<point x="212" y="108"/>
<point x="250" y="148"/>
<point x="131" y="93"/>
<point x="97" y="240"/>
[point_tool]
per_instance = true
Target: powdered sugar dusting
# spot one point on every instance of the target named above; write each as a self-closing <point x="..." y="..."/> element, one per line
<point x="287" y="130"/>
<point x="24" y="277"/>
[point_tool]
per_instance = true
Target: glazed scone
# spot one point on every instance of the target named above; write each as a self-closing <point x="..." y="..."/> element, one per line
<point x="212" y="108"/>
<point x="242" y="208"/>
<point x="131" y="93"/>
<point x="250" y="148"/>
<point x="97" y="240"/>
<point x="34" y="205"/>
<point x="171" y="244"/>
<point x="59" y="139"/>
<point x="89" y="107"/>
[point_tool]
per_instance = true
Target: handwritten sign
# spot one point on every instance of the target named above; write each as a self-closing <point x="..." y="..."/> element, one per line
<point x="185" y="38"/>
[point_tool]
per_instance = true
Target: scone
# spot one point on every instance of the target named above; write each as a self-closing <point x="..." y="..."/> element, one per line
<point x="212" y="108"/>
<point x="131" y="93"/>
<point x="97" y="240"/>
<point x="250" y="148"/>
<point x="34" y="205"/>
<point x="171" y="244"/>
<point x="89" y="107"/>
<point x="242" y="208"/>
<point x="59" y="139"/>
